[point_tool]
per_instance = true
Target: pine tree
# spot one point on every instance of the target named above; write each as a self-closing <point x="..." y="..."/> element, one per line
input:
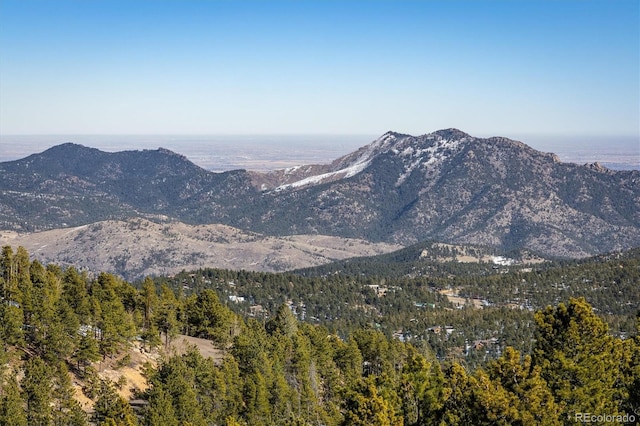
<point x="458" y="387"/>
<point x="11" y="321"/>
<point x="209" y="319"/>
<point x="22" y="268"/>
<point x="160" y="411"/>
<point x="36" y="392"/>
<point x="111" y="409"/>
<point x="531" y="394"/>
<point x="8" y="267"/>
<point x="114" y="322"/>
<point x="76" y="295"/>
<point x="166" y="317"/>
<point x="579" y="360"/>
<point x="149" y="301"/>
<point x="230" y="395"/>
<point x="256" y="397"/>
<point x="66" y="410"/>
<point x="12" y="410"/>
<point x="366" y="407"/>
<point x="87" y="351"/>
<point x="421" y="387"/>
<point x="178" y="380"/>
<point x="349" y="359"/>
<point x="284" y="322"/>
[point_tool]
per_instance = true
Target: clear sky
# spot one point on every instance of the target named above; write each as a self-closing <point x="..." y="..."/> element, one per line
<point x="319" y="67"/>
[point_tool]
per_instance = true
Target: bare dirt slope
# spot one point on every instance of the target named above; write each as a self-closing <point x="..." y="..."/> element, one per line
<point x="129" y="376"/>
<point x="138" y="247"/>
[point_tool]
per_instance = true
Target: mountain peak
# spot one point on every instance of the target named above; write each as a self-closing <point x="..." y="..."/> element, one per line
<point x="68" y="148"/>
<point x="451" y="134"/>
<point x="391" y="133"/>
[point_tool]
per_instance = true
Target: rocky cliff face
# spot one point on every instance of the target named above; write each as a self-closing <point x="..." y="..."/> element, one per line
<point x="446" y="186"/>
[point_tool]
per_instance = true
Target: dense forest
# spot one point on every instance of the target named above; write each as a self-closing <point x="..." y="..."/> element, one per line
<point x="323" y="350"/>
<point x="407" y="296"/>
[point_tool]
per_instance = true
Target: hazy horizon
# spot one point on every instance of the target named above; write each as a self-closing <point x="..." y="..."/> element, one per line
<point x="268" y="152"/>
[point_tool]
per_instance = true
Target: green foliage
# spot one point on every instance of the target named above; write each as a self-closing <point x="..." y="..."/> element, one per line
<point x="11" y="320"/>
<point x="37" y="391"/>
<point x="209" y="319"/>
<point x="66" y="410"/>
<point x="86" y="352"/>
<point x="12" y="410"/>
<point x="166" y="317"/>
<point x="114" y="322"/>
<point x="160" y="411"/>
<point x="364" y="406"/>
<point x="527" y="391"/>
<point x="76" y="295"/>
<point x="580" y="361"/>
<point x="284" y="370"/>
<point x="111" y="409"/>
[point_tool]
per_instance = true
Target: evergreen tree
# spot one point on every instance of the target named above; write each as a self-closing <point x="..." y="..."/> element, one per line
<point x="114" y="322"/>
<point x="86" y="352"/>
<point x="149" y="301"/>
<point x="22" y="268"/>
<point x="531" y="395"/>
<point x="160" y="411"/>
<point x="7" y="272"/>
<point x="179" y="381"/>
<point x="66" y="410"/>
<point x="111" y="409"/>
<point x="12" y="410"/>
<point x="166" y="317"/>
<point x="230" y="391"/>
<point x="579" y="360"/>
<point x="256" y="397"/>
<point x="11" y="321"/>
<point x="456" y="408"/>
<point x="349" y="359"/>
<point x="421" y="388"/>
<point x="283" y="322"/>
<point x="366" y="407"/>
<point x="36" y="392"/>
<point x="209" y="319"/>
<point x="76" y="295"/>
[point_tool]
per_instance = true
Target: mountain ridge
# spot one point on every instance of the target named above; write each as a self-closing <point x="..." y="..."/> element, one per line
<point x="446" y="186"/>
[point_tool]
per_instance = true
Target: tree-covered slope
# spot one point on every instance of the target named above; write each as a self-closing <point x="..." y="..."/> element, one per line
<point x="57" y="327"/>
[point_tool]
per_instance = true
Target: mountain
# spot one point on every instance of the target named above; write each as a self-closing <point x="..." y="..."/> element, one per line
<point x="444" y="186"/>
<point x="72" y="185"/>
<point x="451" y="187"/>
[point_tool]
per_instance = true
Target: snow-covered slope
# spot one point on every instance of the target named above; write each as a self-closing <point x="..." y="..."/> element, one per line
<point x="415" y="151"/>
<point x="347" y="166"/>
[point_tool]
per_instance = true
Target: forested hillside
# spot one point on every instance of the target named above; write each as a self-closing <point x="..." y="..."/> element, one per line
<point x="317" y="351"/>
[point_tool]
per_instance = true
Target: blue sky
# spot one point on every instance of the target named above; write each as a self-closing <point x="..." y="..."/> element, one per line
<point x="319" y="67"/>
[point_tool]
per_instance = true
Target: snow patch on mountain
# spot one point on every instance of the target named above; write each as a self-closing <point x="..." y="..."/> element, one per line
<point x="425" y="151"/>
<point x="427" y="157"/>
<point x="343" y="173"/>
<point x="350" y="165"/>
